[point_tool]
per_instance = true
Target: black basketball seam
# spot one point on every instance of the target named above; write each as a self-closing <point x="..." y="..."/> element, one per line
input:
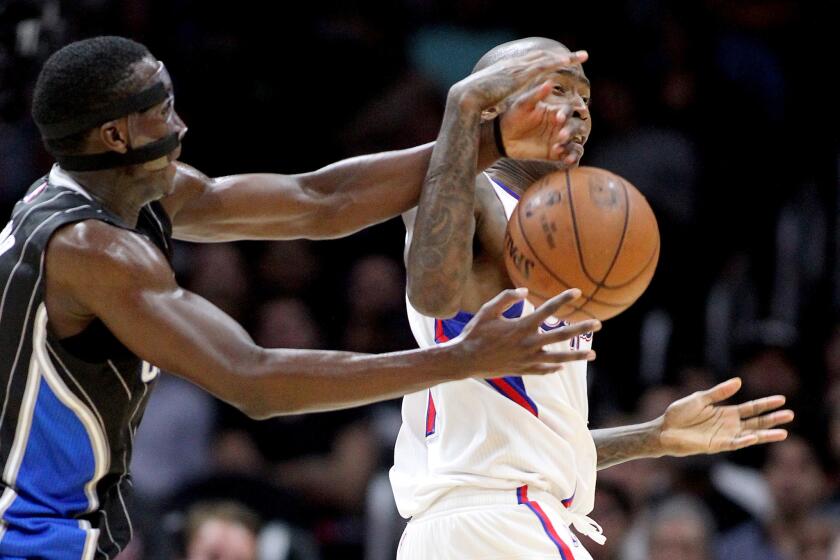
<point x="531" y="248"/>
<point x="601" y="284"/>
<point x="642" y="271"/>
<point x="575" y="230"/>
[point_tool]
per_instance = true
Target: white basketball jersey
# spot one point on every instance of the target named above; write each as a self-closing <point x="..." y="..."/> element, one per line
<point x="498" y="433"/>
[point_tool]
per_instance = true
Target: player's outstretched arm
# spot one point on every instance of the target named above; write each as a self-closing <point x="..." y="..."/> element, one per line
<point x="697" y="424"/>
<point x="334" y="201"/>
<point x="338" y="199"/>
<point x="440" y="257"/>
<point x="123" y="280"/>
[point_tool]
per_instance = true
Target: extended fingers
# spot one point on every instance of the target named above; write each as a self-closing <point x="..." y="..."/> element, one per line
<point x="551" y="306"/>
<point x="766" y="421"/>
<point x="529" y="100"/>
<point x="569" y="331"/>
<point x="757" y="437"/>
<point x="502" y="301"/>
<point x="546" y="62"/>
<point x="558" y="357"/>
<point x="760" y="406"/>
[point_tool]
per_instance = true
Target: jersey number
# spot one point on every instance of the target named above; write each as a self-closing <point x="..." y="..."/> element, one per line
<point x="7" y="240"/>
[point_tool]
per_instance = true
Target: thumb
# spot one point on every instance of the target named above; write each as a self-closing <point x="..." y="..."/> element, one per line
<point x="722" y="391"/>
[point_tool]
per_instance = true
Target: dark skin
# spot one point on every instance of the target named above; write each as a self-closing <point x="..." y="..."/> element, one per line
<point x="95" y="270"/>
<point x="456" y="262"/>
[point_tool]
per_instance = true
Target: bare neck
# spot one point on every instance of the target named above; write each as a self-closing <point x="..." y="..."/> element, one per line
<point x="519" y="175"/>
<point x="117" y="191"/>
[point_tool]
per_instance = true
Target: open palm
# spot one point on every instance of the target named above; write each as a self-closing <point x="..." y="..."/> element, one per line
<point x="698" y="423"/>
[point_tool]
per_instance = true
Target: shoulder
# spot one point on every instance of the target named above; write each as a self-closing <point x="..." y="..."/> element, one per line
<point x="189" y="183"/>
<point x="93" y="252"/>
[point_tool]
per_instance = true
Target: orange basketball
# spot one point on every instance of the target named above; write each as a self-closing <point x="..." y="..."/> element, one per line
<point x="583" y="228"/>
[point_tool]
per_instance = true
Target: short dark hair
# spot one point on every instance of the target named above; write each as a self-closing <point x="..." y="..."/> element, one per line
<point x="81" y="77"/>
<point x="229" y="511"/>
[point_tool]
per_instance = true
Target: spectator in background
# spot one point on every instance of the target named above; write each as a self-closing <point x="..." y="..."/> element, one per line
<point x="798" y="486"/>
<point x="376" y="312"/>
<point x="220" y="531"/>
<point x="613" y="511"/>
<point x="287" y="323"/>
<point x="681" y="528"/>
<point x="218" y="274"/>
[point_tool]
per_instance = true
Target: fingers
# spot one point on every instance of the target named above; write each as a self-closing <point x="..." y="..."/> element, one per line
<point x="722" y="391"/>
<point x="766" y="421"/>
<point x="760" y="406"/>
<point x="757" y="437"/>
<point x="559" y="357"/>
<point x="569" y="331"/>
<point x="552" y="362"/>
<point x="529" y="100"/>
<point x="496" y="306"/>
<point x="545" y="62"/>
<point x="550" y="307"/>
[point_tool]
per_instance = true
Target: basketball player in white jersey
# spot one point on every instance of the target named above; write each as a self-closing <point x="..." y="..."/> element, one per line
<point x="500" y="468"/>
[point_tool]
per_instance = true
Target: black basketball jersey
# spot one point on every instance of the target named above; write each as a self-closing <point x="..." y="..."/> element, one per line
<point x="69" y="408"/>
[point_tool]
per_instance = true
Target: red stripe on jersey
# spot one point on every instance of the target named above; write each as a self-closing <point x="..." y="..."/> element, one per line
<point x="504" y="387"/>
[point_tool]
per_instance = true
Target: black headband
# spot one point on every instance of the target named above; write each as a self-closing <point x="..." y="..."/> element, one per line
<point x="139" y="101"/>
<point x="108" y="160"/>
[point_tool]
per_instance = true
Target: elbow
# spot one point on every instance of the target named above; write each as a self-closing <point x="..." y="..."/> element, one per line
<point x="433" y="301"/>
<point x="246" y="386"/>
<point x="256" y="411"/>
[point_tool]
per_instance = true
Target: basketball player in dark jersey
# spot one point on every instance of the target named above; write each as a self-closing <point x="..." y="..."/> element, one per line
<point x="90" y="309"/>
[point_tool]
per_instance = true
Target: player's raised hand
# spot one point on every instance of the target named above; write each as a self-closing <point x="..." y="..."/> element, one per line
<point x="495" y="345"/>
<point x="489" y="87"/>
<point x="699" y="423"/>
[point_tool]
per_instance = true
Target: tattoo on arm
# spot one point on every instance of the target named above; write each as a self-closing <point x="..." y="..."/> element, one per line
<point x="625" y="443"/>
<point x="440" y="258"/>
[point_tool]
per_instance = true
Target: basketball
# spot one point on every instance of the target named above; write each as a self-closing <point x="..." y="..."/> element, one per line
<point x="583" y="228"/>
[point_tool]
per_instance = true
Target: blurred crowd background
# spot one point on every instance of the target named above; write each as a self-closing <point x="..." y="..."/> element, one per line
<point x="718" y="111"/>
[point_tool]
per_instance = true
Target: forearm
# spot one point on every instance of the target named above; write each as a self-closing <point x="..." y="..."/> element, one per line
<point x="296" y="381"/>
<point x="440" y="257"/>
<point x="358" y="192"/>
<point x="625" y="443"/>
<point x="334" y="201"/>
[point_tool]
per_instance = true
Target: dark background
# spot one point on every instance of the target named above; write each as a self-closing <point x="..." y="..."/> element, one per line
<point x="720" y="112"/>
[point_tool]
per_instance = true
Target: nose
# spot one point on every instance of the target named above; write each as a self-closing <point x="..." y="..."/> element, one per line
<point x="180" y="127"/>
<point x="581" y="109"/>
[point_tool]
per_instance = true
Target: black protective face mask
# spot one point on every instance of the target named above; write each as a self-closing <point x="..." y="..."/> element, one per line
<point x="128" y="106"/>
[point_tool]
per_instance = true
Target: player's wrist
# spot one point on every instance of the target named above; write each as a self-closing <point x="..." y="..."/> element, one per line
<point x="657" y="446"/>
<point x="453" y="361"/>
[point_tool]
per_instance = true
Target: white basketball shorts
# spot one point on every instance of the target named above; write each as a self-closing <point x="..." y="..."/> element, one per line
<point x="471" y="524"/>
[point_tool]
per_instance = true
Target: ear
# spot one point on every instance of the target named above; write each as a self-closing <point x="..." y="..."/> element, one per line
<point x="489" y="114"/>
<point x="114" y="135"/>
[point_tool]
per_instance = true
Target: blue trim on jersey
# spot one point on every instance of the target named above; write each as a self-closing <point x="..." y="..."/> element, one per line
<point x="58" y="462"/>
<point x="453" y="327"/>
<point x="507" y="189"/>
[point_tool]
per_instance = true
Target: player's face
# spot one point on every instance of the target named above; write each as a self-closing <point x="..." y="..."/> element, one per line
<point x="571" y="91"/>
<point x="156" y="122"/>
